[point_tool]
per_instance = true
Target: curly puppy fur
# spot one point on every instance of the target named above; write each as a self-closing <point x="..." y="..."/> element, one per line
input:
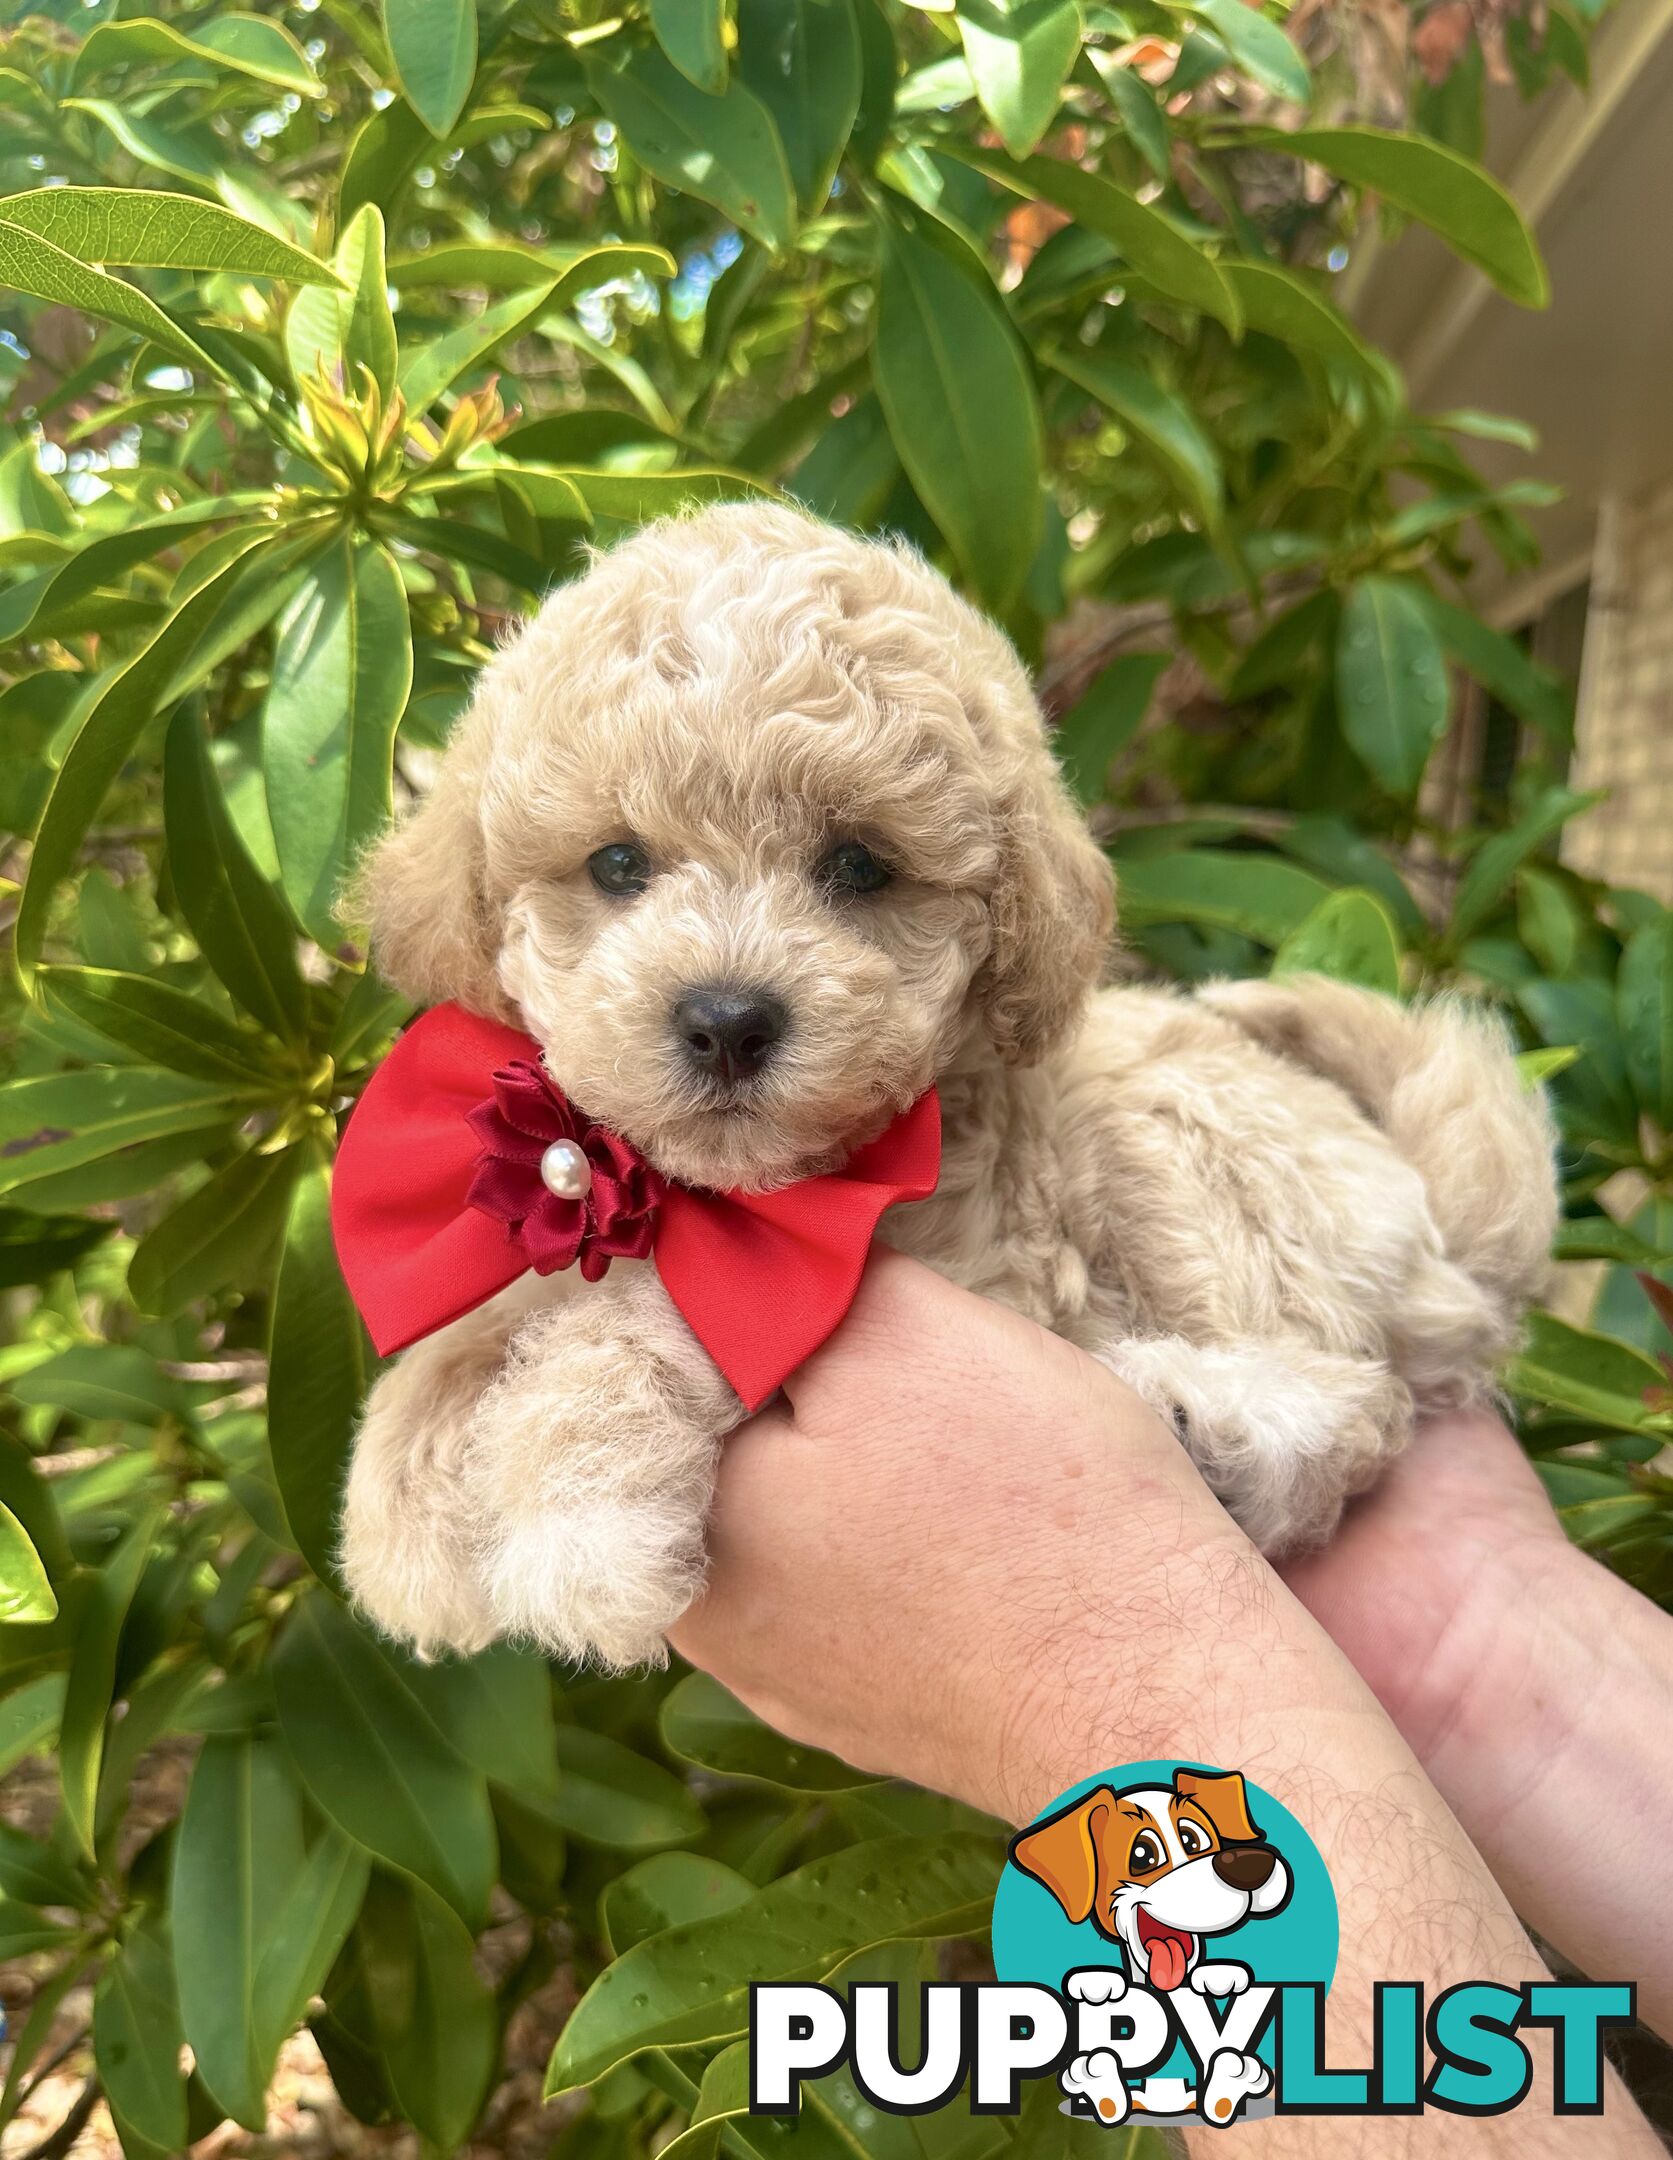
<point x="1289" y="1214"/>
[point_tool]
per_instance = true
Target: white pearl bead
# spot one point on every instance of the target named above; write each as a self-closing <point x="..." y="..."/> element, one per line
<point x="565" y="1170"/>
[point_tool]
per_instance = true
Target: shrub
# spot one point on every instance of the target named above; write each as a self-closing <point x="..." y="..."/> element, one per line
<point x="336" y="338"/>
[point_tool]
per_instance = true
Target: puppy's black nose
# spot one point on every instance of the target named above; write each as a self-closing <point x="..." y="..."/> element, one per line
<point x="729" y="1034"/>
<point x="1245" y="1867"/>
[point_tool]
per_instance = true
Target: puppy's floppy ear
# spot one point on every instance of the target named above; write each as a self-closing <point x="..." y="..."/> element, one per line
<point x="422" y="887"/>
<point x="1053" y="913"/>
<point x="1062" y="1852"/>
<point x="1223" y="1798"/>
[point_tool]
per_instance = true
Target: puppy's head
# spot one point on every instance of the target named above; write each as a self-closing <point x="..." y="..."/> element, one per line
<point x="753" y="828"/>
<point x="1158" y="1868"/>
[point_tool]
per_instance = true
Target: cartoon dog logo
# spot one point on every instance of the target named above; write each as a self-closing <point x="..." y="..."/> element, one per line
<point x="1159" y="1870"/>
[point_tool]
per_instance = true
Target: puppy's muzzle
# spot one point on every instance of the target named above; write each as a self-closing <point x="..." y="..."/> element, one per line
<point x="729" y="1034"/>
<point x="1245" y="1867"/>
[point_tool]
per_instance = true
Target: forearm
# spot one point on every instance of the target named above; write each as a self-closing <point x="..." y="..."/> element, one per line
<point x="1243" y="1677"/>
<point x="1546" y="1720"/>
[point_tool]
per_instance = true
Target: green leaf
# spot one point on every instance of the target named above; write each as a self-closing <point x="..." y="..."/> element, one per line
<point x="342" y="667"/>
<point x="1255" y="895"/>
<point x="430" y="370"/>
<point x="433" y="46"/>
<point x="189" y="153"/>
<point x="137" y="2036"/>
<point x="29" y="1719"/>
<point x="1391" y="684"/>
<point x="1282" y="304"/>
<point x="109" y="729"/>
<point x="337" y="333"/>
<point x="1502" y="667"/>
<point x="242" y="44"/>
<point x="691" y="1983"/>
<point x="41" y="606"/>
<point x="1586" y="1237"/>
<point x="703" y="1724"/>
<point x="1449" y="193"/>
<point x="26" y="1597"/>
<point x="159" y="1025"/>
<point x="665" y="1891"/>
<point x="34" y="266"/>
<point x="1104" y="719"/>
<point x="1019" y="52"/>
<point x="724" y="149"/>
<point x="1147" y="239"/>
<point x="145" y="228"/>
<point x="60" y="1121"/>
<point x="32" y="1873"/>
<point x="257" y="1917"/>
<point x="510" y="266"/>
<point x="1494" y="865"/>
<point x="241" y="928"/>
<point x="1350" y="936"/>
<point x="218" y="1238"/>
<point x="316" y="1372"/>
<point x="98" y="1380"/>
<point x="1157" y="420"/>
<point x="1538" y="1066"/>
<point x="1137" y="109"/>
<point x="24" y="1930"/>
<point x="611" y="1796"/>
<point x="802" y="60"/>
<point x="87" y="1693"/>
<point x="959" y="399"/>
<point x="1259" y="47"/>
<point x="496" y="1709"/>
<point x="693" y="35"/>
<point x="373" y="1760"/>
<point x="434" y="2021"/>
<point x="1644" y="990"/>
<point x="1594" y="1376"/>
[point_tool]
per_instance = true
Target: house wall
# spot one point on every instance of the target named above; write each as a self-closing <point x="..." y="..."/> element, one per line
<point x="1624" y="722"/>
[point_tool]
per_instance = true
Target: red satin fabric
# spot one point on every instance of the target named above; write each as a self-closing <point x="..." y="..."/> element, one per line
<point x="762" y="1278"/>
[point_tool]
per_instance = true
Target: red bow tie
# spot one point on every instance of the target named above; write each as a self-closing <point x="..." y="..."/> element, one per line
<point x="464" y="1166"/>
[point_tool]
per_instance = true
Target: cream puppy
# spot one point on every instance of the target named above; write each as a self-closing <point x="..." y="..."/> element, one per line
<point x="757" y="830"/>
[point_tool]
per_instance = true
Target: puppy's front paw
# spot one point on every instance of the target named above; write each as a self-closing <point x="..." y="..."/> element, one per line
<point x="1097" y="2079"/>
<point x="1096" y="1984"/>
<point x="1232" y="2079"/>
<point x="1225" y="1979"/>
<point x="404" y="1557"/>
<point x="595" y="1580"/>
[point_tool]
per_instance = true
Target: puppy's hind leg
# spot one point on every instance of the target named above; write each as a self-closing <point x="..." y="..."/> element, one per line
<point x="590" y="1470"/>
<point x="1282" y="1432"/>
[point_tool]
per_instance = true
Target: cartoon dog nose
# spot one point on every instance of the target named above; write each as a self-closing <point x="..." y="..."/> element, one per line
<point x="729" y="1033"/>
<point x="1245" y="1867"/>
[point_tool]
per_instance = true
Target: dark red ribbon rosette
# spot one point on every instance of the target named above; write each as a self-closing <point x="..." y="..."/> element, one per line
<point x="615" y="1219"/>
<point x="438" y="1203"/>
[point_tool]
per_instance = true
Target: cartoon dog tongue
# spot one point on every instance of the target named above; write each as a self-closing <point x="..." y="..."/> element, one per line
<point x="1168" y="1949"/>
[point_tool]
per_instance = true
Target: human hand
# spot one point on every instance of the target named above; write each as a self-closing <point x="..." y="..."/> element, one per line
<point x="906" y="1556"/>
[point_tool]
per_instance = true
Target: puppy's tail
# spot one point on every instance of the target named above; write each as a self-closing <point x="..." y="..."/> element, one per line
<point x="1440" y="1078"/>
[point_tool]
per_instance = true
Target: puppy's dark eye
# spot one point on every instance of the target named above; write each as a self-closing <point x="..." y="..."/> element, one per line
<point x="1146" y="1854"/>
<point x="621" y="868"/>
<point x="852" y="868"/>
<point x="1191" y="1838"/>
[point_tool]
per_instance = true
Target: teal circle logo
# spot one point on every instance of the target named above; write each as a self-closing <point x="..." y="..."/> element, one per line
<point x="1169" y="1880"/>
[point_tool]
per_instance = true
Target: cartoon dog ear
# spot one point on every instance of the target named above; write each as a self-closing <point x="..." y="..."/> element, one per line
<point x="1223" y="1798"/>
<point x="422" y="887"/>
<point x="1053" y="914"/>
<point x="1062" y="1852"/>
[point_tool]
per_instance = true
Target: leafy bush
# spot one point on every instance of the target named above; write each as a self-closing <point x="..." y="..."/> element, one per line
<point x="330" y="352"/>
